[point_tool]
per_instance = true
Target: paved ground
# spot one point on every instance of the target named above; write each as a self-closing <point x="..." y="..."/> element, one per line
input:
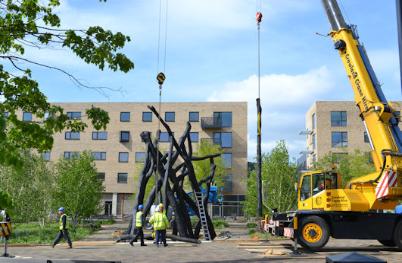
<point x="101" y="247"/>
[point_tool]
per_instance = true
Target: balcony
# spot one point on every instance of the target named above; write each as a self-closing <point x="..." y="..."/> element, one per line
<point x="211" y="123"/>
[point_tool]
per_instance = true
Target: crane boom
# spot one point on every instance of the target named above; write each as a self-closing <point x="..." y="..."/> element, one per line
<point x="376" y="112"/>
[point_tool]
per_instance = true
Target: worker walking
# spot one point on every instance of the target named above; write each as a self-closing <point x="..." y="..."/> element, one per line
<point x="63" y="231"/>
<point x="139" y="222"/>
<point x="160" y="223"/>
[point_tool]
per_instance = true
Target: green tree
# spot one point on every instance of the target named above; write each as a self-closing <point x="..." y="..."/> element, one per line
<point x="5" y="202"/>
<point x="77" y="188"/>
<point x="28" y="187"/>
<point x="34" y="23"/>
<point x="203" y="168"/>
<point x="279" y="176"/>
<point x="350" y="165"/>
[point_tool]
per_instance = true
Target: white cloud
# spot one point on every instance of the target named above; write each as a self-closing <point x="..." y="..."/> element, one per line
<point x="285" y="99"/>
<point x="385" y="61"/>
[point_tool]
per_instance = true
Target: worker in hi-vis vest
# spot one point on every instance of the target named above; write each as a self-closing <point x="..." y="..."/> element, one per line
<point x="139" y="223"/>
<point x="63" y="231"/>
<point x="160" y="222"/>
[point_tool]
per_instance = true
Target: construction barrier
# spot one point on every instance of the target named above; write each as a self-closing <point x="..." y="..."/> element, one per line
<point x="5" y="232"/>
<point x="5" y="228"/>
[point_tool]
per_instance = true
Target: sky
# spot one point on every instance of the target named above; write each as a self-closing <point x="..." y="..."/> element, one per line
<point x="211" y="55"/>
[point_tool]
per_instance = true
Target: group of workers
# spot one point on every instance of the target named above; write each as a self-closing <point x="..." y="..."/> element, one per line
<point x="159" y="221"/>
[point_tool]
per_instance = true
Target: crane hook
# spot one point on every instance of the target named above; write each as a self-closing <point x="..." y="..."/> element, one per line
<point x="161" y="78"/>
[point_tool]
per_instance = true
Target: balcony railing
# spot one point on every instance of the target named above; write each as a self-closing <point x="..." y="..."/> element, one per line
<point x="211" y="123"/>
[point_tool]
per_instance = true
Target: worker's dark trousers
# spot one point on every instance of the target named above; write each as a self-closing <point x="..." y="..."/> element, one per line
<point x="161" y="237"/>
<point x="60" y="235"/>
<point x="140" y="234"/>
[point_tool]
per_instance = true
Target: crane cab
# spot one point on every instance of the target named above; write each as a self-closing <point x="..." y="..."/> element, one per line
<point x="313" y="188"/>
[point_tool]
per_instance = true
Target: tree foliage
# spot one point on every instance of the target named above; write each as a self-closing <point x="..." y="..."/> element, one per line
<point x="279" y="176"/>
<point x="203" y="168"/>
<point x="77" y="188"/>
<point x="34" y="23"/>
<point x="28" y="188"/>
<point x="349" y="165"/>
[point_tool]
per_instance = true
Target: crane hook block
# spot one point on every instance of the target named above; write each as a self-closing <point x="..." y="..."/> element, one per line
<point x="161" y="78"/>
<point x="258" y="17"/>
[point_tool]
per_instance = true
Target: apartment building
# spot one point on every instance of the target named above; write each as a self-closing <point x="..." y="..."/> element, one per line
<point x="335" y="127"/>
<point x="119" y="153"/>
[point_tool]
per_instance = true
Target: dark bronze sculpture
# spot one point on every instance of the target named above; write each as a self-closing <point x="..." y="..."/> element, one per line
<point x="172" y="168"/>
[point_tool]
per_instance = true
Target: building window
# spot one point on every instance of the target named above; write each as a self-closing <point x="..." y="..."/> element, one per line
<point x="313" y="121"/>
<point x="314" y="140"/>
<point x="194" y="136"/>
<point x="27" y="116"/>
<point x="124" y="116"/>
<point x="369" y="157"/>
<point x="314" y="158"/>
<point x="70" y="155"/>
<point x="339" y="119"/>
<point x="170" y="116"/>
<point x="99" y="135"/>
<point x="224" y="139"/>
<point x="124" y="136"/>
<point x="224" y="119"/>
<point x="164" y="137"/>
<point x="70" y="135"/>
<point x="123" y="157"/>
<point x="99" y="156"/>
<point x="339" y="139"/>
<point x="228" y="183"/>
<point x="194" y="116"/>
<point x="100" y="176"/>
<point x="46" y="156"/>
<point x="366" y="138"/>
<point x="74" y="115"/>
<point x="122" y="178"/>
<point x="147" y="116"/>
<point x="140" y="157"/>
<point x="227" y="160"/>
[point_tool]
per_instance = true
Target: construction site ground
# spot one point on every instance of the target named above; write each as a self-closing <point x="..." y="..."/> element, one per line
<point x="239" y="248"/>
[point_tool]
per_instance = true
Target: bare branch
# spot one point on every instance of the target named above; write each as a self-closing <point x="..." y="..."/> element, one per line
<point x="12" y="62"/>
<point x="77" y="82"/>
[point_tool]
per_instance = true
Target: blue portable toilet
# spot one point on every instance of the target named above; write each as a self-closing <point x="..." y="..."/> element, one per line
<point x="398" y="209"/>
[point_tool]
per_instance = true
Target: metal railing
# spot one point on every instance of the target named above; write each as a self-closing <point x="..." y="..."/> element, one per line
<point x="226" y="210"/>
<point x="211" y="123"/>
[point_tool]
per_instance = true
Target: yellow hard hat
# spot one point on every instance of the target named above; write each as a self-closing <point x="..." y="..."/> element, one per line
<point x="160" y="205"/>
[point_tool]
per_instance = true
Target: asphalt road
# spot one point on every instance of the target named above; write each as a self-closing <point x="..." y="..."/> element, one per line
<point x="218" y="251"/>
<point x="100" y="247"/>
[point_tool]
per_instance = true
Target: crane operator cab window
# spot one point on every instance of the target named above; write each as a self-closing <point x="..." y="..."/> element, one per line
<point x="305" y="189"/>
<point x="324" y="181"/>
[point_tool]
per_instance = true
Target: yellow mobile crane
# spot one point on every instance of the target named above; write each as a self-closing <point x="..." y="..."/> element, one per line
<point x="358" y="211"/>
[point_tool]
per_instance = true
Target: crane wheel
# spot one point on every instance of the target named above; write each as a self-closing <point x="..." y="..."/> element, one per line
<point x="398" y="235"/>
<point x="314" y="233"/>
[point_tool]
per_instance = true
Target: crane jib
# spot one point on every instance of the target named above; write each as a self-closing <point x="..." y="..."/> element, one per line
<point x="396" y="132"/>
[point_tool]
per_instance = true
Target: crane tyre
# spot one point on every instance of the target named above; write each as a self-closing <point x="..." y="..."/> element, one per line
<point x="314" y="233"/>
<point x="398" y="235"/>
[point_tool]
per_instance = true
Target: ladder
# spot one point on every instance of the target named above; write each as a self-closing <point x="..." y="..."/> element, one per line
<point x="199" y="196"/>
